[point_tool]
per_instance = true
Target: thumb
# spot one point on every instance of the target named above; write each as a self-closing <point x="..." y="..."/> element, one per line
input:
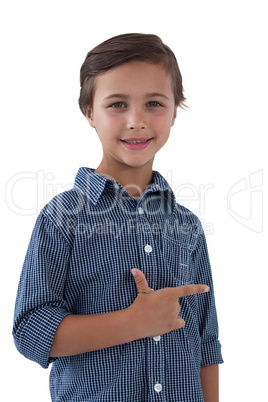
<point x="141" y="281"/>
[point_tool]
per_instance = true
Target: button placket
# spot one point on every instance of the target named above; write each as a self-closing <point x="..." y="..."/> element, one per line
<point x="148" y="264"/>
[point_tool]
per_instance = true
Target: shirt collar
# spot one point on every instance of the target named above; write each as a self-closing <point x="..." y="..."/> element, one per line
<point x="92" y="184"/>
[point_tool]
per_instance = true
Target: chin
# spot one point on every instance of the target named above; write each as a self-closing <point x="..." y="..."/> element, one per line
<point x="137" y="164"/>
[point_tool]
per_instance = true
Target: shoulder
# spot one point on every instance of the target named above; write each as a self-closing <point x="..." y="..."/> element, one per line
<point x="187" y="217"/>
<point x="62" y="212"/>
<point x="66" y="203"/>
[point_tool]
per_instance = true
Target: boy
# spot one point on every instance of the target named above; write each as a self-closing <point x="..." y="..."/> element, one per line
<point x="114" y="289"/>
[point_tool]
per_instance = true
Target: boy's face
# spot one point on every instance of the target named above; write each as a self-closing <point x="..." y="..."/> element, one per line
<point x="133" y="101"/>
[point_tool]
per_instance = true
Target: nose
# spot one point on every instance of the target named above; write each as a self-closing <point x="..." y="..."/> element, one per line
<point x="137" y="120"/>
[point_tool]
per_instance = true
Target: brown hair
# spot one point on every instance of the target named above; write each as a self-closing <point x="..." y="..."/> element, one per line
<point x="122" y="49"/>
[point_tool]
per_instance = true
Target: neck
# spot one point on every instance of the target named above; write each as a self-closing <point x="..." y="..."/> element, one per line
<point x="135" y="180"/>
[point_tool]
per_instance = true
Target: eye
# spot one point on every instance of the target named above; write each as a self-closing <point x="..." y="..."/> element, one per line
<point x="118" y="105"/>
<point x="154" y="104"/>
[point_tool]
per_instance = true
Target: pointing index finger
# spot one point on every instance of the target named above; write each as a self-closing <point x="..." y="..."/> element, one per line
<point x="188" y="290"/>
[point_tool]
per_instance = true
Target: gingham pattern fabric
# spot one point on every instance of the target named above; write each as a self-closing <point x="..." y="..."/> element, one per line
<point x="83" y="246"/>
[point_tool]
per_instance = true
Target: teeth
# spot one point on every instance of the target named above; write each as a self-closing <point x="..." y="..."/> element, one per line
<point x="135" y="142"/>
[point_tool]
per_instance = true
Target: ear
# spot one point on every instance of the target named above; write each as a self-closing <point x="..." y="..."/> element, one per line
<point x="174" y="115"/>
<point x="90" y="118"/>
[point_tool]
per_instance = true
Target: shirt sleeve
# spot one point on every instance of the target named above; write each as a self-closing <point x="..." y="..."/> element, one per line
<point x="207" y="314"/>
<point x="40" y="304"/>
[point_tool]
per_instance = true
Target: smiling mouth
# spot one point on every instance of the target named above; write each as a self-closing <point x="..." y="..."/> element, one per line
<point x="136" y="144"/>
<point x="136" y="141"/>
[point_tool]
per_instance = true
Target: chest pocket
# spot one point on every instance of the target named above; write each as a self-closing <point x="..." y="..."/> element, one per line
<point x="177" y="260"/>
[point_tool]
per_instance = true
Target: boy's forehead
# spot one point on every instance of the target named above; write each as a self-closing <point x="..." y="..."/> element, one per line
<point x="134" y="75"/>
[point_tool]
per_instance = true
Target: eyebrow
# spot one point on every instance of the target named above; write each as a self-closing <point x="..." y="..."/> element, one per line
<point x="150" y="95"/>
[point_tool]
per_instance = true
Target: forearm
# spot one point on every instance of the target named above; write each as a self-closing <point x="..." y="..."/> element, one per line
<point x="210" y="382"/>
<point x="151" y="314"/>
<point x="84" y="333"/>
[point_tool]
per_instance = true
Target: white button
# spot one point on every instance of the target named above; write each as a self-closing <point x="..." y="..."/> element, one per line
<point x="148" y="248"/>
<point x="157" y="338"/>
<point x="140" y="211"/>
<point x="158" y="387"/>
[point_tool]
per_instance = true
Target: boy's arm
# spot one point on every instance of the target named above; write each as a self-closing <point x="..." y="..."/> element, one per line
<point x="151" y="314"/>
<point x="206" y="313"/>
<point x="40" y="305"/>
<point x="84" y="333"/>
<point x="210" y="382"/>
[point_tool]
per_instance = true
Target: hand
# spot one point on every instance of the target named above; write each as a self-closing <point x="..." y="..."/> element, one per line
<point x="156" y="312"/>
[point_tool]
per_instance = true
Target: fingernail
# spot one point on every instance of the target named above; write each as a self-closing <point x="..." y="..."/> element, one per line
<point x="206" y="289"/>
<point x="134" y="273"/>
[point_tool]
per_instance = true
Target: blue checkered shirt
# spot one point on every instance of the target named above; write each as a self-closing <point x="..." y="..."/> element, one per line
<point x="83" y="246"/>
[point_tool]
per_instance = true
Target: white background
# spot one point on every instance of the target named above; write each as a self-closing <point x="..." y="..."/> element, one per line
<point x="215" y="159"/>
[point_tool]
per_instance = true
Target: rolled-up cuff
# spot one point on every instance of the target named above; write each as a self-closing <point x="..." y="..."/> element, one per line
<point x="34" y="336"/>
<point x="211" y="353"/>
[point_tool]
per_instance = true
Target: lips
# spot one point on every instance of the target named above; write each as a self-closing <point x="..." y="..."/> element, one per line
<point x="136" y="143"/>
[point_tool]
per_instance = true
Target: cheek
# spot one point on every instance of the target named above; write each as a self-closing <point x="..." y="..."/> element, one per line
<point x="111" y="121"/>
<point x="109" y="129"/>
<point x="162" y="124"/>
